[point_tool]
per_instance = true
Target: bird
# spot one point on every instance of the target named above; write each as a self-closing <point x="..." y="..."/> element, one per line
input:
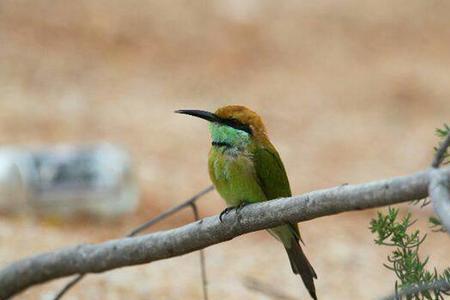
<point x="246" y="168"/>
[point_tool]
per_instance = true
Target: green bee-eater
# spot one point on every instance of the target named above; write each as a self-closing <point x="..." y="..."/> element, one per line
<point x="245" y="168"/>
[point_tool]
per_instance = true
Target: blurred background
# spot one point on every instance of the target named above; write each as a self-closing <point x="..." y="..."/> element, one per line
<point x="351" y="91"/>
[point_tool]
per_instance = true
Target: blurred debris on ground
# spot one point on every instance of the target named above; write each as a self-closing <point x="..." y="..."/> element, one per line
<point x="67" y="181"/>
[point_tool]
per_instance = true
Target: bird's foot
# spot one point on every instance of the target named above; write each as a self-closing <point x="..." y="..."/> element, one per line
<point x="228" y="209"/>
<point x="225" y="212"/>
<point x="241" y="206"/>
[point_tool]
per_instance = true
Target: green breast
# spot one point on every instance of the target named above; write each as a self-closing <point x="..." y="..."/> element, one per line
<point x="233" y="174"/>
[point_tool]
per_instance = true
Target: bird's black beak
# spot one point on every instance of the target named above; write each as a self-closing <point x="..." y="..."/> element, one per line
<point x="206" y="115"/>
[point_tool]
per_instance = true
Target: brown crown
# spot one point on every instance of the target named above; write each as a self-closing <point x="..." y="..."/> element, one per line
<point x="245" y="116"/>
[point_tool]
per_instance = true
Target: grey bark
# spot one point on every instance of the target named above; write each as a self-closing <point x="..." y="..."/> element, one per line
<point x="95" y="258"/>
<point x="439" y="191"/>
<point x="441" y="285"/>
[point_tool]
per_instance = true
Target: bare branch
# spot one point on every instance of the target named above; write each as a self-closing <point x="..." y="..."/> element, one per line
<point x="95" y="258"/>
<point x="441" y="285"/>
<point x="439" y="191"/>
<point x="146" y="225"/>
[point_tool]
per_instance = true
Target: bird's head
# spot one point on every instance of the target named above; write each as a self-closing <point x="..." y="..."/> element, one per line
<point x="235" y="125"/>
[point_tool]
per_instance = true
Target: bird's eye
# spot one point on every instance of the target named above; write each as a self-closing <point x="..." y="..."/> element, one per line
<point x="238" y="125"/>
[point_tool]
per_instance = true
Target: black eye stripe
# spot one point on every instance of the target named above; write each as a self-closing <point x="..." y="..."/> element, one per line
<point x="237" y="125"/>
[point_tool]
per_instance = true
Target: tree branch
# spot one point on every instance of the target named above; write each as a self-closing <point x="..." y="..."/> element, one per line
<point x="189" y="202"/>
<point x="439" y="191"/>
<point x="95" y="258"/>
<point x="441" y="285"/>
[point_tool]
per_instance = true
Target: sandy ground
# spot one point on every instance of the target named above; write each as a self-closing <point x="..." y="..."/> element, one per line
<point x="350" y="91"/>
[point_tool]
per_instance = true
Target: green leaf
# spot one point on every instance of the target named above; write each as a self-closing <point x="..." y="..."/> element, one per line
<point x="392" y="231"/>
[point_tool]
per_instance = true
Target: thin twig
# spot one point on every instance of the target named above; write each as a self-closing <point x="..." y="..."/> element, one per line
<point x="68" y="286"/>
<point x="263" y="288"/>
<point x="140" y="228"/>
<point x="202" y="258"/>
<point x="439" y="189"/>
<point x="170" y="212"/>
<point x="440" y="153"/>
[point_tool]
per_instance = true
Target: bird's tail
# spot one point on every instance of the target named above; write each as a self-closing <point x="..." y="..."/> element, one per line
<point x="301" y="266"/>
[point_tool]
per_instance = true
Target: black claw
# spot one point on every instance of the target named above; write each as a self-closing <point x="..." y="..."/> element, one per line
<point x="224" y="212"/>
<point x="228" y="209"/>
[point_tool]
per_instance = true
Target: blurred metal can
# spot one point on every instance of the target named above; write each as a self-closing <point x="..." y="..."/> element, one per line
<point x="68" y="180"/>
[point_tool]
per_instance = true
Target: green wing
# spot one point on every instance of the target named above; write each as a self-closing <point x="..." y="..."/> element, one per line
<point x="271" y="173"/>
<point x="272" y="177"/>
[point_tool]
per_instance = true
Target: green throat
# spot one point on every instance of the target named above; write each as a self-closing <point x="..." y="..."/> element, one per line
<point x="226" y="135"/>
